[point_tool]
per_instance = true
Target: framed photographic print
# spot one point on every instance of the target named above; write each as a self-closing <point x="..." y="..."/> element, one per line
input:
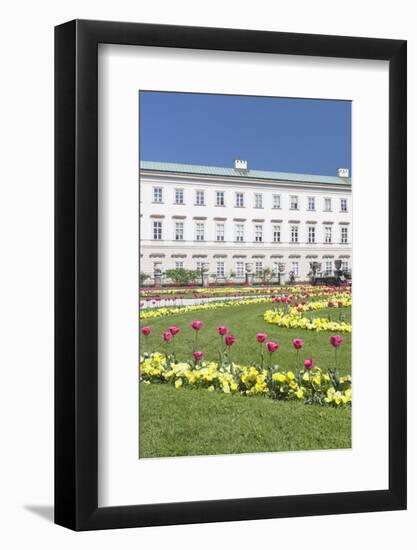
<point x="230" y="275"/>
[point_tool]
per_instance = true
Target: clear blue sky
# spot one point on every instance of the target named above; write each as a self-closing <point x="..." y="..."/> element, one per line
<point x="285" y="135"/>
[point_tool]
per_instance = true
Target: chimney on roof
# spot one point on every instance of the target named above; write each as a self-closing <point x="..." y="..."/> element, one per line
<point x="343" y="172"/>
<point x="241" y="164"/>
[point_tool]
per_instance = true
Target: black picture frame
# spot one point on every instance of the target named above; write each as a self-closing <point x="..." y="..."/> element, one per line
<point x="76" y="272"/>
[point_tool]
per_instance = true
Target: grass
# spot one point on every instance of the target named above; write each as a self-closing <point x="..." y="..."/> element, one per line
<point x="244" y="322"/>
<point x="190" y="422"/>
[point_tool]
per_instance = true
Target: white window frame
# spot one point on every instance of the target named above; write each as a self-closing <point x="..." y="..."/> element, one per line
<point x="220" y="200"/>
<point x="328" y="267"/>
<point x="198" y="194"/>
<point x="239" y="199"/>
<point x="259" y="267"/>
<point x="276" y="201"/>
<point x="179" y="231"/>
<point x="240" y="232"/>
<point x="294" y="233"/>
<point x="157" y="230"/>
<point x="327" y="201"/>
<point x="220" y="269"/>
<point x="259" y="233"/>
<point x="311" y="234"/>
<point x="344" y="234"/>
<point x="200" y="231"/>
<point x="311" y="203"/>
<point x="220" y="232"/>
<point x="294" y="202"/>
<point x="179" y="194"/>
<point x="240" y="269"/>
<point x="343" y="205"/>
<point x="295" y="268"/>
<point x="276" y="233"/>
<point x="258" y="200"/>
<point x="179" y="265"/>
<point x="328" y="234"/>
<point x="157" y="195"/>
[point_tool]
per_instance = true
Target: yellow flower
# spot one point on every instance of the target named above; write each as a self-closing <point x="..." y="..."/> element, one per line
<point x="290" y="375"/>
<point x="178" y="383"/>
<point x="299" y="394"/>
<point x="278" y="377"/>
<point x="210" y="388"/>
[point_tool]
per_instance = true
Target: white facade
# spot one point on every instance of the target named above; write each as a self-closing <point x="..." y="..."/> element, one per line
<point x="227" y="218"/>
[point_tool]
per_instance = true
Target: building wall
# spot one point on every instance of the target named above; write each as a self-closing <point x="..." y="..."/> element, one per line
<point x="189" y="251"/>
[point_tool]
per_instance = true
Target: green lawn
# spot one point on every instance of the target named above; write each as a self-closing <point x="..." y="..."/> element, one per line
<point x="244" y="322"/>
<point x="190" y="422"/>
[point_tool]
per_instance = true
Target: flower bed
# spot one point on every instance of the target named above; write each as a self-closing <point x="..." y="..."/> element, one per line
<point x="293" y="317"/>
<point x="311" y="385"/>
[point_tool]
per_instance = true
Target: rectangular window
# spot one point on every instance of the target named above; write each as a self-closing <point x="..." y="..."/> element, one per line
<point x="179" y="196"/>
<point x="327" y="204"/>
<point x="199" y="231"/>
<point x="157" y="194"/>
<point x="294" y="233"/>
<point x="276" y="233"/>
<point x="157" y="231"/>
<point x="294" y="268"/>
<point x="311" y="203"/>
<point x="344" y="235"/>
<point x="199" y="198"/>
<point x="179" y="231"/>
<point x="343" y="205"/>
<point x="219" y="231"/>
<point x="345" y="265"/>
<point x="240" y="269"/>
<point x="258" y="200"/>
<point x="293" y="202"/>
<point x="258" y="233"/>
<point x="328" y="234"/>
<point x="219" y="198"/>
<point x="258" y="268"/>
<point x="239" y="232"/>
<point x="328" y="267"/>
<point x="199" y="266"/>
<point x="239" y="200"/>
<point x="311" y="234"/>
<point x="179" y="265"/>
<point x="276" y="201"/>
<point x="220" y="269"/>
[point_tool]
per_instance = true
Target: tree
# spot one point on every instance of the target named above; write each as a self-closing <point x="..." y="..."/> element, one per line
<point x="142" y="278"/>
<point x="181" y="276"/>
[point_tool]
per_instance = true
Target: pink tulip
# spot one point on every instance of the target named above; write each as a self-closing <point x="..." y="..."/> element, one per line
<point x="198" y="355"/>
<point x="229" y="340"/>
<point x="297" y="343"/>
<point x="146" y="331"/>
<point x="196" y="325"/>
<point x="222" y="330"/>
<point x="272" y="346"/>
<point x="261" y="337"/>
<point x="299" y="309"/>
<point x="167" y="336"/>
<point x="308" y="363"/>
<point x="336" y="340"/>
<point x="174" y="330"/>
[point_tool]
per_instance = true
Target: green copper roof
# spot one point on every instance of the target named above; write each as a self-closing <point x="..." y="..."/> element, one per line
<point x="220" y="171"/>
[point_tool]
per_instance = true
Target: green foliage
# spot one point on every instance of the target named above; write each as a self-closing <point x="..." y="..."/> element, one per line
<point x="143" y="277"/>
<point x="181" y="276"/>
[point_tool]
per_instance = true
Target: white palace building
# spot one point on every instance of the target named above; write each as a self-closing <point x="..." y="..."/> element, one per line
<point x="230" y="221"/>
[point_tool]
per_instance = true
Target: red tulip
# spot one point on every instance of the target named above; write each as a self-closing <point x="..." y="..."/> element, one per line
<point x="146" y="331"/>
<point x="261" y="337"/>
<point x="222" y="330"/>
<point x="229" y="340"/>
<point x="174" y="330"/>
<point x="198" y="355"/>
<point x="336" y="340"/>
<point x="272" y="346"/>
<point x="297" y="343"/>
<point x="308" y="363"/>
<point x="167" y="336"/>
<point x="196" y="325"/>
